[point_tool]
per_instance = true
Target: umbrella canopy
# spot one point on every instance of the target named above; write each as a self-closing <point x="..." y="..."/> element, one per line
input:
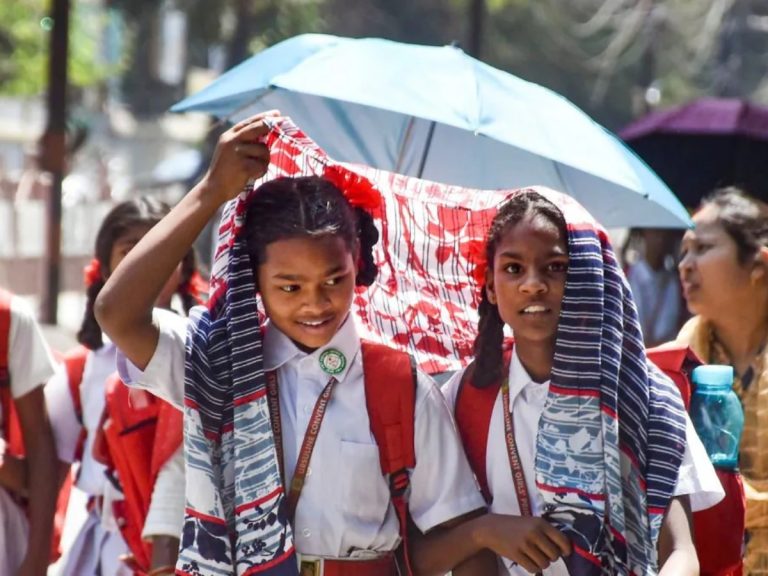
<point x="705" y="144"/>
<point x="437" y="113"/>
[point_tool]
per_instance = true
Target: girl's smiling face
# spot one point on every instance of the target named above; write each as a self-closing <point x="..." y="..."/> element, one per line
<point x="527" y="280"/>
<point x="307" y="285"/>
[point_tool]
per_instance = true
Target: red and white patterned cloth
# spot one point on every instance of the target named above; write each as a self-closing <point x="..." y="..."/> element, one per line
<point x="425" y="298"/>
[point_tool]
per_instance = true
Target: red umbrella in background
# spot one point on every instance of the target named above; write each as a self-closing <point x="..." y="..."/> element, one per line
<point x="705" y="144"/>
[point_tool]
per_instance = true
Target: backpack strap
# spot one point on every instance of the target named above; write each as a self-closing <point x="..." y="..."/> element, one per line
<point x="677" y="361"/>
<point x="7" y="408"/>
<point x="5" y="337"/>
<point x="74" y="362"/>
<point x="473" y="410"/>
<point x="390" y="397"/>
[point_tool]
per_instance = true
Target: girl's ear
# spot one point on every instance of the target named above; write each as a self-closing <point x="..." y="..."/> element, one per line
<point x="490" y="291"/>
<point x="760" y="270"/>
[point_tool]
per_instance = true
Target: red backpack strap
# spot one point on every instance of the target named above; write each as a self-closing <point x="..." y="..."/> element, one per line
<point x="390" y="397"/>
<point x="74" y="362"/>
<point x="5" y="337"/>
<point x="11" y="431"/>
<point x="676" y="361"/>
<point x="473" y="410"/>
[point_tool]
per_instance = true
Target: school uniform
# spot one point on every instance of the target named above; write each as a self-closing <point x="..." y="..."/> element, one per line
<point x="165" y="516"/>
<point x="344" y="510"/>
<point x="30" y="364"/>
<point x="98" y="544"/>
<point x="696" y="477"/>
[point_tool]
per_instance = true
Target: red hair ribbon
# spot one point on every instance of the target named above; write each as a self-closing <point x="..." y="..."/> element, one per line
<point x="474" y="251"/>
<point x="358" y="190"/>
<point x="92" y="273"/>
<point x="196" y="287"/>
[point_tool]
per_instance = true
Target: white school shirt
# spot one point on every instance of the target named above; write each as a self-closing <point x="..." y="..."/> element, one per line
<point x="92" y="475"/>
<point x="697" y="477"/>
<point x="30" y="364"/>
<point x="344" y="508"/>
<point x="165" y="516"/>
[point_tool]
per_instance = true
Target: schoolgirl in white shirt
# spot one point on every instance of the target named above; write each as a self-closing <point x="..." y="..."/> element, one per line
<point x="573" y="409"/>
<point x="309" y="243"/>
<point x="25" y="535"/>
<point x="99" y="546"/>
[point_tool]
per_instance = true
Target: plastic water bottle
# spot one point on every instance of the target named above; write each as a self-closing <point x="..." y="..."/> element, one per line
<point x="717" y="414"/>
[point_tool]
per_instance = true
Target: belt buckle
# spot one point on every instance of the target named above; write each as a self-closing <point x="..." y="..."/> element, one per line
<point x="310" y="568"/>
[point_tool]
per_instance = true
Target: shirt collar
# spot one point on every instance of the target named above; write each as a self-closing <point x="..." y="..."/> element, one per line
<point x="279" y="349"/>
<point x="519" y="379"/>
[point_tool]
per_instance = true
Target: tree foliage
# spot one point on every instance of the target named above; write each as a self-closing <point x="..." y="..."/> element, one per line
<point x="24" y="37"/>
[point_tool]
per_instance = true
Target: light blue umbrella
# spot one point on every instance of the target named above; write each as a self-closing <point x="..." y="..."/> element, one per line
<point x="439" y="114"/>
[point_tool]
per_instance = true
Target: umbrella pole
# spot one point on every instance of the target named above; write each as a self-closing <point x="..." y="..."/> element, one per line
<point x="427" y="145"/>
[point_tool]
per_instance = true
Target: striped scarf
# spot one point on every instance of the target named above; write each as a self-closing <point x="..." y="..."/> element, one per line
<point x="424" y="301"/>
<point x="612" y="435"/>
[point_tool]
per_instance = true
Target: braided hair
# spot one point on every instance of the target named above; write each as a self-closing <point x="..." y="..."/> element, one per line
<point x="142" y="211"/>
<point x="308" y="207"/>
<point x="488" y="366"/>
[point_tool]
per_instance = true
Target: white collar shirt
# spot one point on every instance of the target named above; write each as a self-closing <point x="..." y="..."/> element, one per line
<point x="344" y="509"/>
<point x="696" y="478"/>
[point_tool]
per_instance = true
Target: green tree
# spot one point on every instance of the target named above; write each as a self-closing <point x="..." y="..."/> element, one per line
<point x="24" y="31"/>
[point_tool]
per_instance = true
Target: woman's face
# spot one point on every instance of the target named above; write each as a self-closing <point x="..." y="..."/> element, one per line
<point x="712" y="278"/>
<point x="125" y="244"/>
<point x="527" y="280"/>
<point x="307" y="286"/>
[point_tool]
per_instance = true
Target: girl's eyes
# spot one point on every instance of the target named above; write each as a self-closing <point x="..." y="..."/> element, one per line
<point x="552" y="267"/>
<point x="289" y="288"/>
<point x="558" y="267"/>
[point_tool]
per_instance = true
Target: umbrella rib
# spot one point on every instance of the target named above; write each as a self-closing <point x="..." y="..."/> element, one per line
<point x="405" y="142"/>
<point x="427" y="146"/>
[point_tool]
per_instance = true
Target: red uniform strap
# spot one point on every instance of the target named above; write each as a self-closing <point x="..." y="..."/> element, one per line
<point x="472" y="411"/>
<point x="676" y="361"/>
<point x="74" y="362"/>
<point x="5" y="337"/>
<point x="11" y="425"/>
<point x="390" y="397"/>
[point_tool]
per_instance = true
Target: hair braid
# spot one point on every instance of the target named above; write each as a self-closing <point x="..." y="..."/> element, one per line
<point x="369" y="236"/>
<point x="489" y="356"/>
<point x="90" y="334"/>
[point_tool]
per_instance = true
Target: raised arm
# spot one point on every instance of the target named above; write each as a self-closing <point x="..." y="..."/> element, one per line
<point x="124" y="306"/>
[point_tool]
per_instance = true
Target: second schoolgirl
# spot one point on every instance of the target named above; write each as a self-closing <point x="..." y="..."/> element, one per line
<point x="583" y="449"/>
<point x="76" y="398"/>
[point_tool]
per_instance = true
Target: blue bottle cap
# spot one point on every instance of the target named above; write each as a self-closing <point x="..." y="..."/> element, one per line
<point x="713" y="375"/>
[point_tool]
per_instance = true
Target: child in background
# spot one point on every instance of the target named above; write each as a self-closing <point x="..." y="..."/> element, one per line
<point x="26" y="364"/>
<point x="77" y="406"/>
<point x="303" y="244"/>
<point x="584" y="451"/>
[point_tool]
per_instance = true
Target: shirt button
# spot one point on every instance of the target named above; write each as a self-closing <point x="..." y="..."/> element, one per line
<point x="306" y="533"/>
<point x="306" y="409"/>
<point x="309" y="472"/>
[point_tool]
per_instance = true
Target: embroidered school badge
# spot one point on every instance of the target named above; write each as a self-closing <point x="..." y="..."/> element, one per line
<point x="333" y="362"/>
